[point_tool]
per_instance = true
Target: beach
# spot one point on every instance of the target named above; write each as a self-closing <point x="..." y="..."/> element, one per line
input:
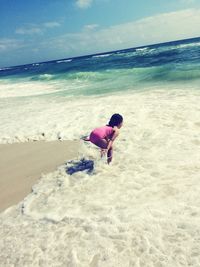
<point x="141" y="210"/>
<point x="22" y="164"/>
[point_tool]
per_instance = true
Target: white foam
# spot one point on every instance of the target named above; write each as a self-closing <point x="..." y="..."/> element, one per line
<point x="27" y="88"/>
<point x="64" y="60"/>
<point x="46" y="76"/>
<point x="188" y="45"/>
<point x="142" y="210"/>
<point x="103" y="55"/>
<point x="46" y="85"/>
<point x="144" y="49"/>
<point x="6" y="68"/>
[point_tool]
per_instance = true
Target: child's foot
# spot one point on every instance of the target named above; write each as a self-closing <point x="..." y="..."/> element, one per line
<point x="109" y="159"/>
<point x="103" y="152"/>
<point x="85" y="138"/>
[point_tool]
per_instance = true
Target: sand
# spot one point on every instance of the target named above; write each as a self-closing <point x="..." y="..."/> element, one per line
<point x="21" y="165"/>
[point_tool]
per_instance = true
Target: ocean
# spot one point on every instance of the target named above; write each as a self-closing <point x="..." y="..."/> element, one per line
<point x="141" y="210"/>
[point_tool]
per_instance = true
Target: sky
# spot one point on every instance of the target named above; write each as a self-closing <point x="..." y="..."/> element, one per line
<point x="42" y="30"/>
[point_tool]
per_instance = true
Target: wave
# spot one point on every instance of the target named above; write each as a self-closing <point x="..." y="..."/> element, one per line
<point x="98" y="82"/>
<point x="162" y="73"/>
<point x="36" y="64"/>
<point x="83" y="67"/>
<point x="176" y="48"/>
<point x="158" y="50"/>
<point x="63" y="61"/>
<point x="6" y="68"/>
<point x="46" y="76"/>
<point x="142" y="49"/>
<point x="122" y="77"/>
<point x="136" y="52"/>
<point x="106" y="73"/>
<point x="188" y="45"/>
<point x="42" y="77"/>
<point x="179" y="75"/>
<point x="103" y="55"/>
<point x="88" y="76"/>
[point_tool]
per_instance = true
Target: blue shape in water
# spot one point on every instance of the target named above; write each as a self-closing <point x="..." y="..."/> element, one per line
<point x="81" y="165"/>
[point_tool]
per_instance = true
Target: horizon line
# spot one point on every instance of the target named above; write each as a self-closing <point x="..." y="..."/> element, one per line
<point x="99" y="53"/>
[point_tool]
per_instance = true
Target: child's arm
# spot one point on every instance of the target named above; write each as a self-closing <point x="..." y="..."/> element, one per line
<point x="115" y="134"/>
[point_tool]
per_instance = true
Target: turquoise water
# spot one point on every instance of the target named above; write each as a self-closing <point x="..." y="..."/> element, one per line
<point x="162" y="65"/>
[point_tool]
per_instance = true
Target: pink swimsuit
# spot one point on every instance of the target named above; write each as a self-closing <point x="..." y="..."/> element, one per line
<point x="104" y="132"/>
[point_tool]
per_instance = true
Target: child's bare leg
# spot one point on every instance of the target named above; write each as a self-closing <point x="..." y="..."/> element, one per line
<point x="103" y="152"/>
<point x="102" y="144"/>
<point x="109" y="155"/>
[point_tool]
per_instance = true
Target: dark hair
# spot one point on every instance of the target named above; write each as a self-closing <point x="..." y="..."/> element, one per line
<point x="115" y="120"/>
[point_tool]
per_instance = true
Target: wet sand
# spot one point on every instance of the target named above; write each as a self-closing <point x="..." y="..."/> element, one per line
<point x="21" y="165"/>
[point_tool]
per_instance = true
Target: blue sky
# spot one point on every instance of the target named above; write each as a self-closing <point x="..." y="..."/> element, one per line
<point x="42" y="30"/>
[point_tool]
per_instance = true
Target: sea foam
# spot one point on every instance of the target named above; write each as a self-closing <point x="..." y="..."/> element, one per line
<point x="142" y="210"/>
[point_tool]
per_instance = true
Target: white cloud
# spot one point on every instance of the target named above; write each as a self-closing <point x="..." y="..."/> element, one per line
<point x="92" y="39"/>
<point x="51" y="24"/>
<point x="160" y="28"/>
<point x="84" y="3"/>
<point x="10" y="44"/>
<point x="31" y="29"/>
<point x="90" y="27"/>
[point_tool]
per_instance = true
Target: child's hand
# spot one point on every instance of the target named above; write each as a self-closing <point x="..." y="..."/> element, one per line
<point x="103" y="152"/>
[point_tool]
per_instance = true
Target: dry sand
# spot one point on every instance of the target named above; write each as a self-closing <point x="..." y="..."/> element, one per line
<point x="21" y="164"/>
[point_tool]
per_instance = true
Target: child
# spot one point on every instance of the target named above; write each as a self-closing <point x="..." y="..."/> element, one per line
<point x="104" y="137"/>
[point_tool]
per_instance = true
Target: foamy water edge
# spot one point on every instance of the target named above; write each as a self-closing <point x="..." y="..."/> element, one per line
<point x="143" y="210"/>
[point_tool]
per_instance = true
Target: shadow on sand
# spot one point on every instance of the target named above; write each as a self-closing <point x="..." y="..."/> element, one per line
<point x="81" y="165"/>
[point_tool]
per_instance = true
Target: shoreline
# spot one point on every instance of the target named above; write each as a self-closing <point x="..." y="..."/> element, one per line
<point x="21" y="165"/>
